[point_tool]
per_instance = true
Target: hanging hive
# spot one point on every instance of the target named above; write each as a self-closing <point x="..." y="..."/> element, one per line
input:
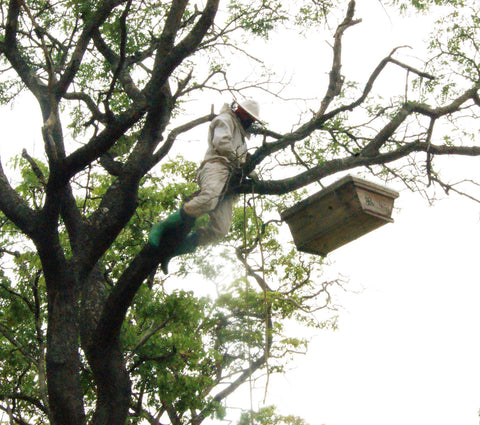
<point x="338" y="214"/>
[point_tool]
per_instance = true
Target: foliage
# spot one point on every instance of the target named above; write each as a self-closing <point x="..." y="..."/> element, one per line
<point x="177" y="344"/>
<point x="268" y="416"/>
<point x="90" y="331"/>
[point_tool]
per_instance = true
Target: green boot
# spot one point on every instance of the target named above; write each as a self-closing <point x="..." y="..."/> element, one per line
<point x="187" y="246"/>
<point x="176" y="220"/>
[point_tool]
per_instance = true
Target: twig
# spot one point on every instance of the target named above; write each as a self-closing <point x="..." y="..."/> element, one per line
<point x="15" y="254"/>
<point x="412" y="69"/>
<point x="429" y="154"/>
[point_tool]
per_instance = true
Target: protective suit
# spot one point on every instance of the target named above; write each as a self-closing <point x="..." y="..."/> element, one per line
<point x="226" y="151"/>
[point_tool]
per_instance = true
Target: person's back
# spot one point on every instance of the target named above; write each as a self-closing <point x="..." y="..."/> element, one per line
<point x="226" y="139"/>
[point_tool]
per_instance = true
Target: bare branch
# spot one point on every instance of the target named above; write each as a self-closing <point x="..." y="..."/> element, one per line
<point x="327" y="168"/>
<point x="35" y="168"/>
<point x="46" y="53"/>
<point x="114" y="60"/>
<point x="450" y="187"/>
<point x="157" y="157"/>
<point x="336" y="80"/>
<point x="166" y="63"/>
<point x="317" y="121"/>
<point x="91" y="105"/>
<point x="412" y="69"/>
<point x="429" y="155"/>
<point x="260" y="281"/>
<point x="100" y="144"/>
<point x="414" y="107"/>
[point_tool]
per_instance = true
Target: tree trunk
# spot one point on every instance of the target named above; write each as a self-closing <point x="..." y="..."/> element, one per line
<point x="62" y="359"/>
<point x="106" y="361"/>
<point x="113" y="385"/>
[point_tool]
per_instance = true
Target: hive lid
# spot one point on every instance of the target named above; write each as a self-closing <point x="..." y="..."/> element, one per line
<point x="348" y="179"/>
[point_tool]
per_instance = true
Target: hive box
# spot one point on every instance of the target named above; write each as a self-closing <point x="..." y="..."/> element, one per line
<point x="338" y="214"/>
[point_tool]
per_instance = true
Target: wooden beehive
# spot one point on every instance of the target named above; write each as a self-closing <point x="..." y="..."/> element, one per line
<point x="338" y="214"/>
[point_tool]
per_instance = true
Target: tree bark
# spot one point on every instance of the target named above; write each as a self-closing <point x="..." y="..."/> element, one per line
<point x="62" y="358"/>
<point x="106" y="361"/>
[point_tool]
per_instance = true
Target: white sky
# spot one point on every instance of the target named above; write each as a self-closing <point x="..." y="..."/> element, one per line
<point x="407" y="350"/>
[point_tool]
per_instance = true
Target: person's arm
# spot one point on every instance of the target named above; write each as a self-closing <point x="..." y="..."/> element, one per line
<point x="222" y="139"/>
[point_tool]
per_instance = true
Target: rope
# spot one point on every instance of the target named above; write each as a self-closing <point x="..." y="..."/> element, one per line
<point x="265" y="302"/>
<point x="266" y="311"/>
<point x="249" y="323"/>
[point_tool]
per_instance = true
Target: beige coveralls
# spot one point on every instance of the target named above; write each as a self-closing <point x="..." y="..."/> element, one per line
<point x="226" y="150"/>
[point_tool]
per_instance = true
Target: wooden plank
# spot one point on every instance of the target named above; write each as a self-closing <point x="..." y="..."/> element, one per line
<point x="351" y="229"/>
<point x="338" y="214"/>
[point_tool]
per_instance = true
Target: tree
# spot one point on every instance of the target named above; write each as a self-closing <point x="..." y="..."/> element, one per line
<point x="82" y="339"/>
<point x="268" y="415"/>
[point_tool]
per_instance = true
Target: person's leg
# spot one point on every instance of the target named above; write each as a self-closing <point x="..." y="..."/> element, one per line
<point x="179" y="219"/>
<point x="188" y="245"/>
<point x="215" y="230"/>
<point x="219" y="224"/>
<point x="213" y="179"/>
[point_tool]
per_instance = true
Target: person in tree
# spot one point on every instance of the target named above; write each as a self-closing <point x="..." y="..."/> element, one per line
<point x="227" y="151"/>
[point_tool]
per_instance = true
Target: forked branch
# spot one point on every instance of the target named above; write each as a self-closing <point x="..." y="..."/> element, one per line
<point x="336" y="80"/>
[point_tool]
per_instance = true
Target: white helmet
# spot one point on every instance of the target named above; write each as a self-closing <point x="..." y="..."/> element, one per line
<point x="252" y="107"/>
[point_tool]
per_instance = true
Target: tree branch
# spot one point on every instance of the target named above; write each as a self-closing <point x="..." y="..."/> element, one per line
<point x="16" y="294"/>
<point x="96" y="20"/>
<point x="171" y="27"/>
<point x="101" y="143"/>
<point x="35" y="402"/>
<point x="40" y="33"/>
<point x="115" y="61"/>
<point x="35" y="168"/>
<point x="91" y="105"/>
<point x="372" y="148"/>
<point x="412" y="69"/>
<point x="165" y="148"/>
<point x="122" y="294"/>
<point x="10" y="48"/>
<point x="316" y="123"/>
<point x="327" y="168"/>
<point x="6" y="333"/>
<point x="414" y="107"/>
<point x="336" y="80"/>
<point x="167" y="57"/>
<point x="15" y="208"/>
<point x="123" y="44"/>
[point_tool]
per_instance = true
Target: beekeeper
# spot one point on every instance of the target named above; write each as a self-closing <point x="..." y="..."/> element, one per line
<point x="226" y="151"/>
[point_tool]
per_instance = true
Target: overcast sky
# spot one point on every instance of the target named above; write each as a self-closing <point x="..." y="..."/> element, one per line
<point x="407" y="349"/>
